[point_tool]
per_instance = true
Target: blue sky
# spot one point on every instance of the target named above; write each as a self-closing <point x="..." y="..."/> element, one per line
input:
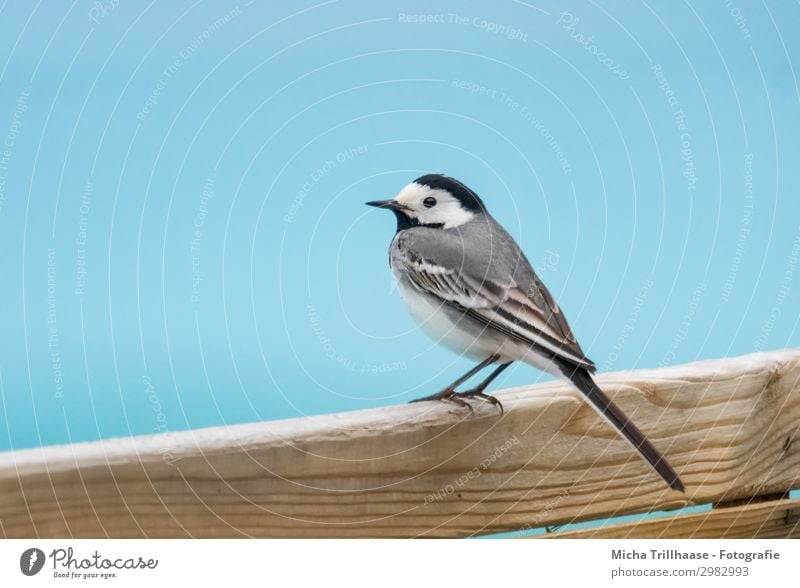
<point x="182" y="188"/>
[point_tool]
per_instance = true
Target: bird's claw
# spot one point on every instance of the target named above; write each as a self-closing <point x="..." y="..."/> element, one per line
<point x="482" y="396"/>
<point x="446" y="395"/>
<point x="458" y="398"/>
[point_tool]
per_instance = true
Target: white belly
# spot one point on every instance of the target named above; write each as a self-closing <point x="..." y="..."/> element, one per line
<point x="447" y="326"/>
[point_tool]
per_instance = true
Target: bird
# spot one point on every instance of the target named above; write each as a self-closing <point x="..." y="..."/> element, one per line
<point x="469" y="286"/>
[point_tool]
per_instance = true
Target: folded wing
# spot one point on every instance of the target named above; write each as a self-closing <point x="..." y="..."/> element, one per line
<point x="531" y="316"/>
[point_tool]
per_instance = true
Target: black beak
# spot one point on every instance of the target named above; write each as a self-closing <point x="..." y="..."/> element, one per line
<point x="390" y="204"/>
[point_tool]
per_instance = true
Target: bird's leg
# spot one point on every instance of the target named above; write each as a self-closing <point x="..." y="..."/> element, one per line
<point x="449" y="393"/>
<point x="477" y="391"/>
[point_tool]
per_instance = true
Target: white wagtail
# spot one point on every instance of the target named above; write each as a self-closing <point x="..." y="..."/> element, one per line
<point x="469" y="286"/>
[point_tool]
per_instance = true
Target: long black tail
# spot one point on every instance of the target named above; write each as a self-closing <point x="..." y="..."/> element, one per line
<point x="583" y="381"/>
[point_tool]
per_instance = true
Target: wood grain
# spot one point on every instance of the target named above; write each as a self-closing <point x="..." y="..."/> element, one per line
<point x="779" y="519"/>
<point x="428" y="469"/>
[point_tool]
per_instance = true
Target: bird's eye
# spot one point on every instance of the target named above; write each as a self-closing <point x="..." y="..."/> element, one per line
<point x="429" y="202"/>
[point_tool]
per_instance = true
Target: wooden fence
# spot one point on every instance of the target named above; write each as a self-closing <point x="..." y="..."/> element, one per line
<point x="433" y="470"/>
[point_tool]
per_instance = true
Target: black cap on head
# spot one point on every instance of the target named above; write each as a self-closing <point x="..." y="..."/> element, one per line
<point x="469" y="199"/>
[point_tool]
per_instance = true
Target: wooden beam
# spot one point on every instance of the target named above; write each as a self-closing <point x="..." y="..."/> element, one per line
<point x="779" y="519"/>
<point x="428" y="469"/>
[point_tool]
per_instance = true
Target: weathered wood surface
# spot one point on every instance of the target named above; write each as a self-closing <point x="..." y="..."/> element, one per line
<point x="428" y="469"/>
<point x="779" y="519"/>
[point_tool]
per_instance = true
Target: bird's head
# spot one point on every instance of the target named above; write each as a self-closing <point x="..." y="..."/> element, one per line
<point x="434" y="201"/>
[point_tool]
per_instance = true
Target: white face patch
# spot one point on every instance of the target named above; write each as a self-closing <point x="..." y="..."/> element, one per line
<point x="447" y="211"/>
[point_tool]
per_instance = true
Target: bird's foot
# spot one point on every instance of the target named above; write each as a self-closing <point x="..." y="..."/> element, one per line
<point x="478" y="393"/>
<point x="450" y="395"/>
<point x="446" y="395"/>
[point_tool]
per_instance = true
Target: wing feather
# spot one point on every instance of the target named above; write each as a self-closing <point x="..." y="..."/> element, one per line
<point x="531" y="317"/>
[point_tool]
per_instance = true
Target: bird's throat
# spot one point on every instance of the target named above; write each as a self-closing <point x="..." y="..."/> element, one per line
<point x="406" y="222"/>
